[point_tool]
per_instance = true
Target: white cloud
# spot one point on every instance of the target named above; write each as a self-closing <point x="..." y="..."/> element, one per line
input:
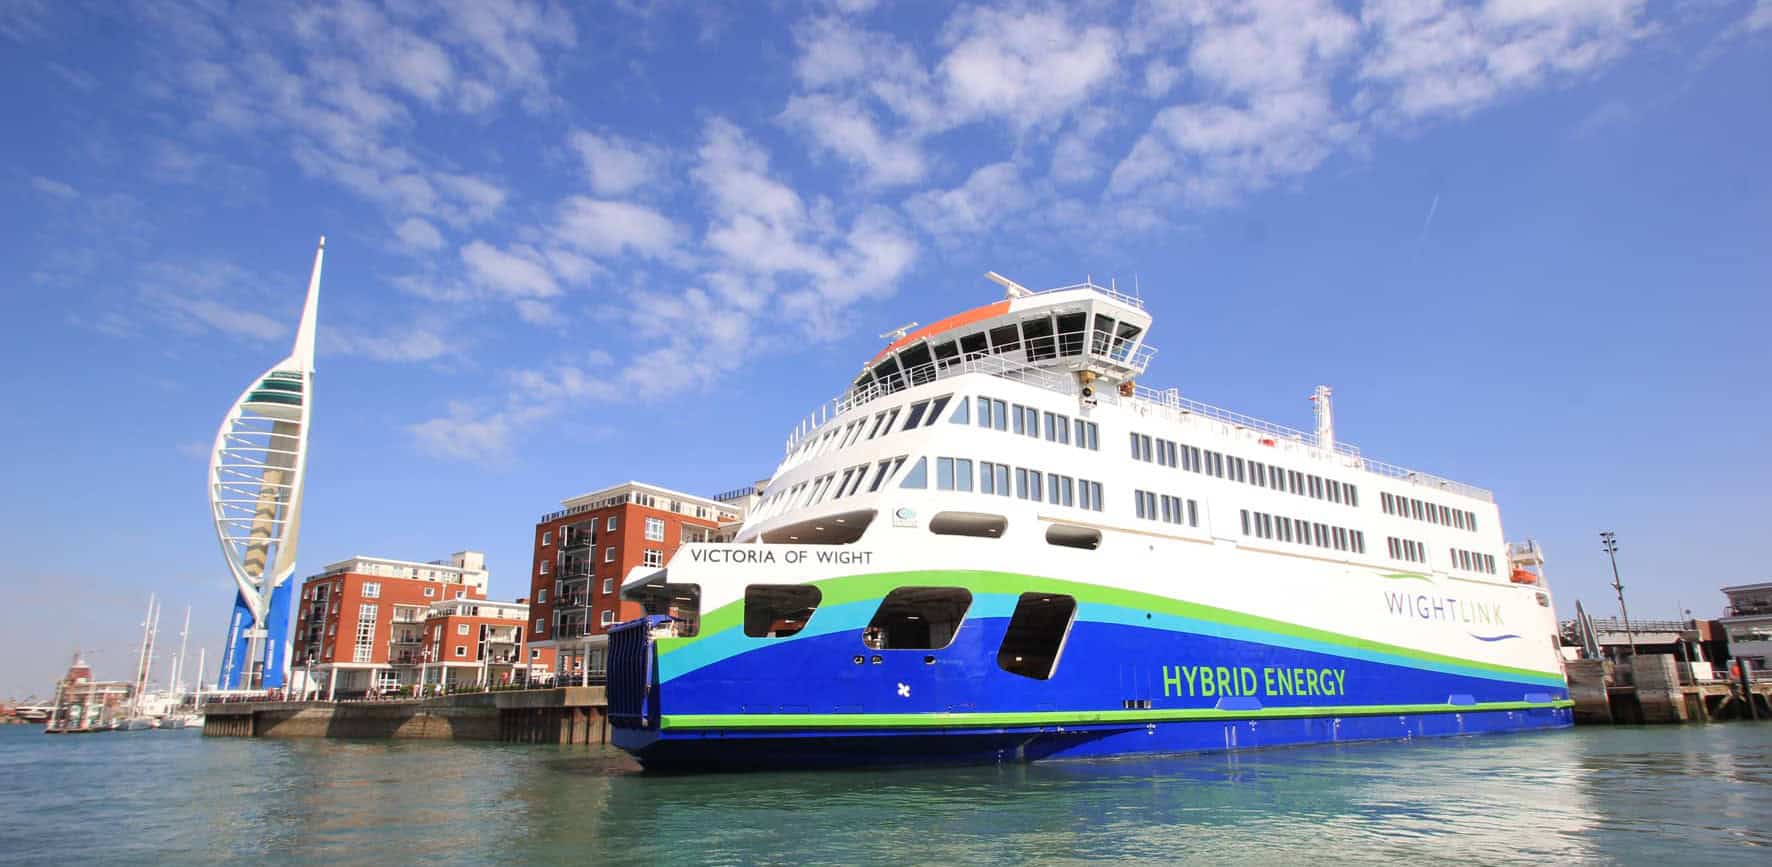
<point x="411" y="343"/>
<point x="51" y="187"/>
<point x="199" y="313"/>
<point x="614" y="165"/>
<point x="1430" y="59"/>
<point x="993" y="193"/>
<point x="843" y="127"/>
<point x="419" y="236"/>
<point x="608" y="228"/>
<point x="515" y="273"/>
<point x="1022" y="66"/>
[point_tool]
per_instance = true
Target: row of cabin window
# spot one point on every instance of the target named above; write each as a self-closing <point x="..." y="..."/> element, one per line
<point x="955" y="474"/>
<point x="1167" y="453"/>
<point x="850" y="483"/>
<point x="1030" y="421"/>
<point x="1166" y="508"/>
<point x="1471" y="561"/>
<point x="1262" y="525"/>
<point x="920" y="414"/>
<point x="1406" y="549"/>
<point x="1421" y="510"/>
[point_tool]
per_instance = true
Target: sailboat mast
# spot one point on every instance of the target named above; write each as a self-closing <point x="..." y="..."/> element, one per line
<point x="141" y="662"/>
<point x="178" y="669"/>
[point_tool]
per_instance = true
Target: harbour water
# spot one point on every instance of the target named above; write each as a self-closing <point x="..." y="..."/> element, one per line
<point x="1694" y="794"/>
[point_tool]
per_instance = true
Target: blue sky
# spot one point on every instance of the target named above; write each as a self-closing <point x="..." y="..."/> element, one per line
<point x="1526" y="242"/>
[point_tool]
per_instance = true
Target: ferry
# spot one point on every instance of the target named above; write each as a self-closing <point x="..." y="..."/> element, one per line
<point x="997" y="545"/>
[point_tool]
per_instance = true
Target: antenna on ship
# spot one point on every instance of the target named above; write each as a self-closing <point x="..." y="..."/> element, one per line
<point x="899" y="332"/>
<point x="1325" y="418"/>
<point x="1011" y="289"/>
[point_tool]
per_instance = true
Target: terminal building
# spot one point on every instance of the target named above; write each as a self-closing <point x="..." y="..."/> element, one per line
<point x="585" y="549"/>
<point x="1749" y="623"/>
<point x="370" y="624"/>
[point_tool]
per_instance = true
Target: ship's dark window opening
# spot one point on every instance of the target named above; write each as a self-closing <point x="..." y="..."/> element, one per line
<point x="1072" y="536"/>
<point x="778" y="610"/>
<point x="918" y="618"/>
<point x="973" y="345"/>
<point x="916" y="357"/>
<point x="1005" y="339"/>
<point x="1040" y="343"/>
<point x="680" y="601"/>
<point x="886" y="373"/>
<point x="843" y="528"/>
<point x="1123" y="338"/>
<point x="941" y="403"/>
<point x="916" y="414"/>
<point x="1071" y="332"/>
<point x="945" y="351"/>
<point x="1104" y="327"/>
<point x="980" y="524"/>
<point x="1036" y="633"/>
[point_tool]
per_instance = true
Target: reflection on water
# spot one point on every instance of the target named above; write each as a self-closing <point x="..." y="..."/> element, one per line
<point x="1624" y="795"/>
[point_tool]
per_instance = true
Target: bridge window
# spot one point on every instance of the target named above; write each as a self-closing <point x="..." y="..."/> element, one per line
<point x="1040" y="344"/>
<point x="918" y="477"/>
<point x="918" y="618"/>
<point x="1071" y="327"/>
<point x="1036" y="634"/>
<point x="963" y="412"/>
<point x="1005" y="339"/>
<point x="973" y="345"/>
<point x="778" y="610"/>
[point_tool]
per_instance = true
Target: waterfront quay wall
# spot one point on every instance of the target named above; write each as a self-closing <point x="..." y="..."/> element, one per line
<point x="1657" y="688"/>
<point x="563" y="715"/>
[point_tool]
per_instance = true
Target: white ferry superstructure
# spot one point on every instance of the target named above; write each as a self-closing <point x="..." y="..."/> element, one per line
<point x="996" y="545"/>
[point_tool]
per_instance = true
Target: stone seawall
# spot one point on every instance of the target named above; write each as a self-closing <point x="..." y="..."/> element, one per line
<point x="563" y="715"/>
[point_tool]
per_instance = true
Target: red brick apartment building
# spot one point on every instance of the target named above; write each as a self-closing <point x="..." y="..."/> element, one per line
<point x="584" y="550"/>
<point x="370" y="623"/>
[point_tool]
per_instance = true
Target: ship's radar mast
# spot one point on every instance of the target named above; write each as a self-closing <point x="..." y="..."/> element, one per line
<point x="1325" y="418"/>
<point x="898" y="333"/>
<point x="1011" y="289"/>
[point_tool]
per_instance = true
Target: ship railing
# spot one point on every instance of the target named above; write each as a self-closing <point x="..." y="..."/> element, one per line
<point x="1022" y="365"/>
<point x="1036" y="373"/>
<point x="1111" y="292"/>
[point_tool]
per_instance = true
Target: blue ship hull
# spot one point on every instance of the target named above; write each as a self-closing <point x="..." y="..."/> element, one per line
<point x="729" y="750"/>
<point x="1137" y="674"/>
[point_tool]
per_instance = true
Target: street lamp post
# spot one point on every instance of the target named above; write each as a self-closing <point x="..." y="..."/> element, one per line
<point x="307" y="675"/>
<point x="424" y="665"/>
<point x="1609" y="541"/>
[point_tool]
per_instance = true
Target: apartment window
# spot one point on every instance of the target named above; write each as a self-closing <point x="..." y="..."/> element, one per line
<point x="608" y="586"/>
<point x="608" y="617"/>
<point x="372" y="590"/>
<point x="610" y="524"/>
<point x="363" y="650"/>
<point x="547" y="537"/>
<point x="461" y="650"/>
<point x="430" y="592"/>
<point x="461" y="629"/>
<point x="544" y="567"/>
<point x="653" y="557"/>
<point x="541" y="595"/>
<point x="655" y="529"/>
<point x="609" y="554"/>
<point x="460" y="593"/>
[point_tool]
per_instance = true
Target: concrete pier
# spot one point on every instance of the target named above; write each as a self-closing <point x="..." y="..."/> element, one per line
<point x="1654" y="689"/>
<point x="564" y="715"/>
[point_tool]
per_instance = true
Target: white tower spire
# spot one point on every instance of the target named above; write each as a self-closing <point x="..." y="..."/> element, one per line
<point x="255" y="483"/>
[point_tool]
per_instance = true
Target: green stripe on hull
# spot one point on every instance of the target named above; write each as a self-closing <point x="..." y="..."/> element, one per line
<point x="855" y="588"/>
<point x="696" y="722"/>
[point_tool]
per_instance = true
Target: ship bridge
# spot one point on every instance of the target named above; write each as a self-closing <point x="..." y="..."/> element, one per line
<point x="1094" y="331"/>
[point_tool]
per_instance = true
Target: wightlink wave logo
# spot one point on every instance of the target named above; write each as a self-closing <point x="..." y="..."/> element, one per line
<point x="1450" y="610"/>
